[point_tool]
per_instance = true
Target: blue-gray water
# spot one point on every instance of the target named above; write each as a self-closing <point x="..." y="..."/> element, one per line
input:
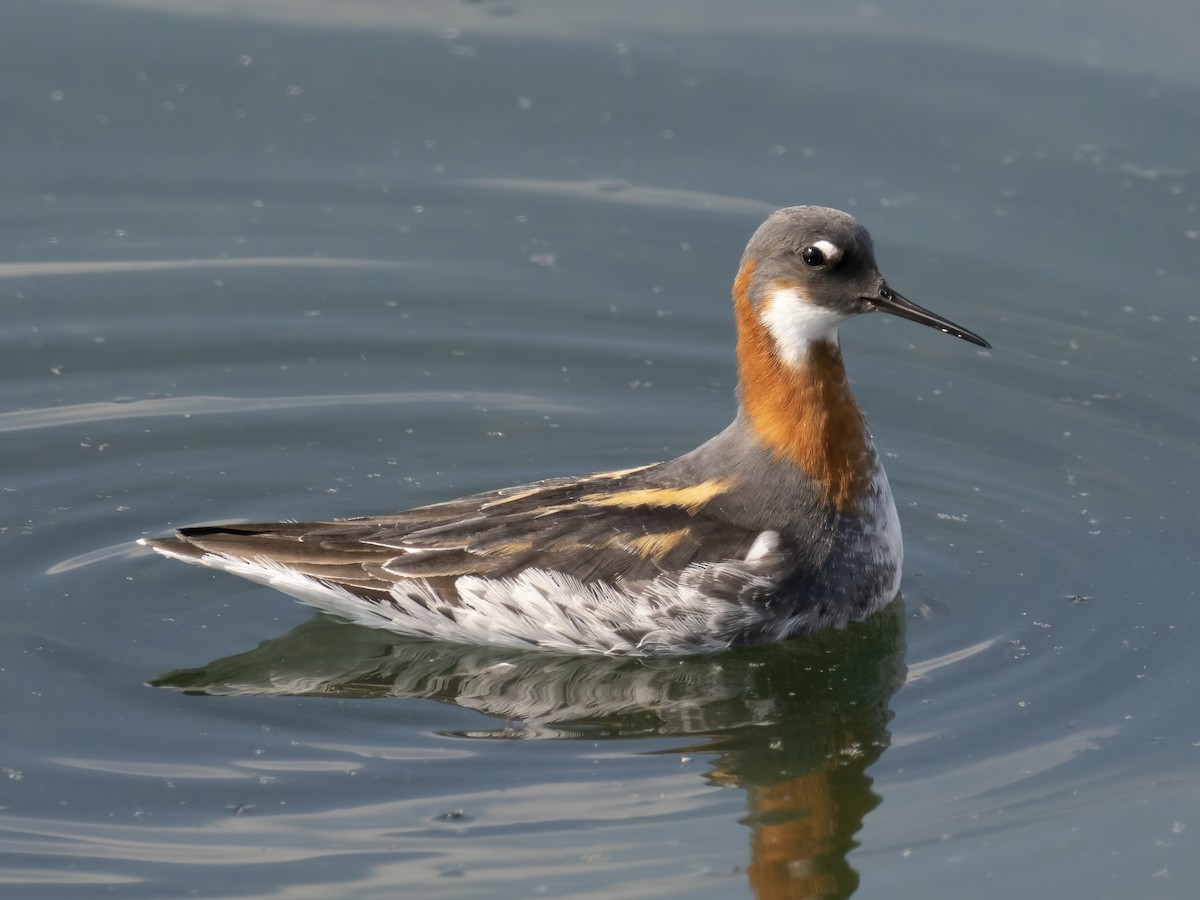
<point x="298" y="260"/>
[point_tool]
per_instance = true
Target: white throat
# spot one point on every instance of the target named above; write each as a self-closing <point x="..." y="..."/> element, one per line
<point x="795" y="323"/>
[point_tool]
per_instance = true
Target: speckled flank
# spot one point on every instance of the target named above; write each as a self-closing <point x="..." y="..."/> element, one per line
<point x="804" y="414"/>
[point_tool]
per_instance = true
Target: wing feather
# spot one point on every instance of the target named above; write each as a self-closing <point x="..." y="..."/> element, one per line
<point x="609" y="527"/>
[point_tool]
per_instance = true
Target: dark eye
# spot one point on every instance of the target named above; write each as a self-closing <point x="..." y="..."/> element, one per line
<point x="813" y="256"/>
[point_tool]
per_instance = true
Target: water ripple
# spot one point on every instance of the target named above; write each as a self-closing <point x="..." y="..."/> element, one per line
<point x="81" y="413"/>
<point x="109" y="267"/>
<point x="617" y="191"/>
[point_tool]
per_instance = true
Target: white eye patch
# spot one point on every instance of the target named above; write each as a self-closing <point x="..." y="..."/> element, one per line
<point x="832" y="251"/>
<point x="821" y="254"/>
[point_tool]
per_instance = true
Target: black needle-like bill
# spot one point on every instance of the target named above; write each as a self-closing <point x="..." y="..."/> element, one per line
<point x="890" y="301"/>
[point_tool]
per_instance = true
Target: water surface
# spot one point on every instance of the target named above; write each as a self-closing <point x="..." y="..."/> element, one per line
<point x="301" y="260"/>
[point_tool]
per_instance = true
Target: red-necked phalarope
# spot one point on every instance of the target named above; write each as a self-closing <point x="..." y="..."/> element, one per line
<point x="781" y="525"/>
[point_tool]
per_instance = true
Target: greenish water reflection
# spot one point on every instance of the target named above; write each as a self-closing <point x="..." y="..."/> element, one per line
<point x="795" y="725"/>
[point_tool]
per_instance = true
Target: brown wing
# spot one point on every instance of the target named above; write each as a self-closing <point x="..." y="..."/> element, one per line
<point x="613" y="526"/>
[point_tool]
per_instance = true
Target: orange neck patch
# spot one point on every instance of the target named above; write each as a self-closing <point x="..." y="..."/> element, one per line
<point x="806" y="415"/>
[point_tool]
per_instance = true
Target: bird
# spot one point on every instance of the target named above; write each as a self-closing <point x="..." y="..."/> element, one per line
<point x="780" y="526"/>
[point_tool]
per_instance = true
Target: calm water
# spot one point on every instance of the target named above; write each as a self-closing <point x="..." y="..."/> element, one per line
<point x="300" y="260"/>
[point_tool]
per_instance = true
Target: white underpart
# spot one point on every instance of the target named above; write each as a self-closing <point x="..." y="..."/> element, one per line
<point x="547" y="609"/>
<point x="795" y="322"/>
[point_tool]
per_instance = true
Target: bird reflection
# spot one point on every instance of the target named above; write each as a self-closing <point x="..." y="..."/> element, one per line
<point x="795" y="724"/>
